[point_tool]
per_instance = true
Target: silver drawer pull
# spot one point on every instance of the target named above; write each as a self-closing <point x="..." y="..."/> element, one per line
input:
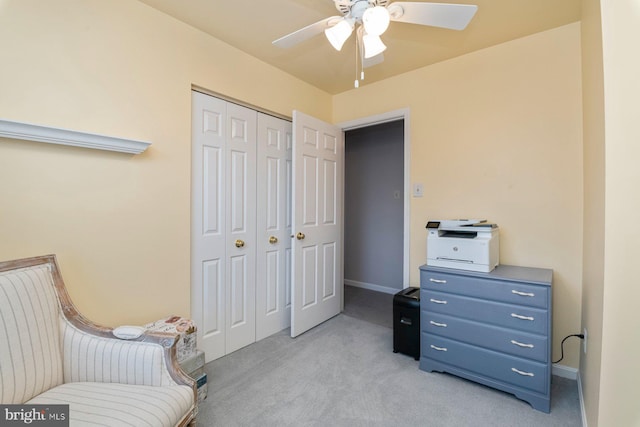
<point x="440" y="325"/>
<point x="526" y="374"/>
<point x="437" y="301"/>
<point x="523" y="294"/>
<point x="519" y="344"/>
<point x="437" y="281"/>
<point x="439" y="348"/>
<point x="517" y="316"/>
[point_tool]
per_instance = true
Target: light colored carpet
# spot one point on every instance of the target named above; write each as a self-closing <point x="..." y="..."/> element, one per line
<point x="372" y="306"/>
<point x="344" y="373"/>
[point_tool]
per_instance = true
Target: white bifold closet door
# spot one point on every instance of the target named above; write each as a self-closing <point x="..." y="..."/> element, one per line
<point x="223" y="225"/>
<point x="273" y="268"/>
<point x="266" y="226"/>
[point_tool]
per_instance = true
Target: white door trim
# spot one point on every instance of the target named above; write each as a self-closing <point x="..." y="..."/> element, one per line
<point x="401" y="114"/>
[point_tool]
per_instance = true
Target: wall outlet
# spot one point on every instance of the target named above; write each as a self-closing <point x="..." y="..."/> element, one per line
<point x="584" y="340"/>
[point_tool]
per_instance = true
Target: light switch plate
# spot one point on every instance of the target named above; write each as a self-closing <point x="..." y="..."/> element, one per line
<point x="418" y="190"/>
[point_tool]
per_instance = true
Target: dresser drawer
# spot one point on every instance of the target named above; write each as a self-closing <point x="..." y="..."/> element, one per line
<point x="499" y="290"/>
<point x="523" y="318"/>
<point x="508" y="369"/>
<point x="510" y="341"/>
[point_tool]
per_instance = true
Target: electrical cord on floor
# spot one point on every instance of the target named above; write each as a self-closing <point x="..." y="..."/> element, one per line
<point x="581" y="336"/>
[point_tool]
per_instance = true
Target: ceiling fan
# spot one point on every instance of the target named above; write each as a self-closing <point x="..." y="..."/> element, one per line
<point x="370" y="19"/>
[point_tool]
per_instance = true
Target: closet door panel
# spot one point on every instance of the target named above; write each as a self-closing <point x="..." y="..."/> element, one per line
<point x="213" y="323"/>
<point x="269" y="303"/>
<point x="208" y="233"/>
<point x="273" y="192"/>
<point x="241" y="226"/>
<point x="272" y="283"/>
<point x="238" y="202"/>
<point x="273" y="301"/>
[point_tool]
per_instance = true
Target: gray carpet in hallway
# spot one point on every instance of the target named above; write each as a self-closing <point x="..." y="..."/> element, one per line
<point x="372" y="306"/>
<point x="343" y="373"/>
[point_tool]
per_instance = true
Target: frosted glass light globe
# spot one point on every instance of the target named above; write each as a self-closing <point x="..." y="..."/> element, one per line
<point x="376" y="20"/>
<point x="339" y="33"/>
<point x="372" y="45"/>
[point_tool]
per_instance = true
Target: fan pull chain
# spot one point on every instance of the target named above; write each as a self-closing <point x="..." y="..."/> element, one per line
<point x="361" y="60"/>
<point x="356" y="83"/>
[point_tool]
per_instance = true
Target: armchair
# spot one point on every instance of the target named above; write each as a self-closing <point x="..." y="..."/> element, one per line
<point x="51" y="354"/>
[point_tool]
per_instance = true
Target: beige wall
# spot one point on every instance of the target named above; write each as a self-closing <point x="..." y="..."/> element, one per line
<point x="620" y="333"/>
<point x="498" y="134"/>
<point x="594" y="198"/>
<point x="495" y="134"/>
<point x="119" y="223"/>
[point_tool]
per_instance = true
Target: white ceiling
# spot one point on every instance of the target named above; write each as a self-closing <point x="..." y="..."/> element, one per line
<point x="251" y="26"/>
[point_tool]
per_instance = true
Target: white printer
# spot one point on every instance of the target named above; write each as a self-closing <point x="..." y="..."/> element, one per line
<point x="465" y="244"/>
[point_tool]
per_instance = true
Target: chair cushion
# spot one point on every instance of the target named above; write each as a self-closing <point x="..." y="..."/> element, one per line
<point x="110" y="404"/>
<point x="30" y="354"/>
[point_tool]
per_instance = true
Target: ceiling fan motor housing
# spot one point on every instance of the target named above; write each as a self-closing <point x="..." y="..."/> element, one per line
<point x="345" y="6"/>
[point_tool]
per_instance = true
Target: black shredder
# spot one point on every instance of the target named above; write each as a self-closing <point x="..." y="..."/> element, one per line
<point x="406" y="322"/>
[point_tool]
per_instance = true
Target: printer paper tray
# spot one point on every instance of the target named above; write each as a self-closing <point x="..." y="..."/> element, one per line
<point x="466" y="261"/>
<point x="459" y="264"/>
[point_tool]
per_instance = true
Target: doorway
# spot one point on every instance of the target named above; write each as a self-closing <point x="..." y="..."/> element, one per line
<point x="374" y="210"/>
<point x="376" y="214"/>
<point x="400" y="116"/>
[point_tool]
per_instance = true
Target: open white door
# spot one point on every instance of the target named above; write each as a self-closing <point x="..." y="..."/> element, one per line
<point x="318" y="167"/>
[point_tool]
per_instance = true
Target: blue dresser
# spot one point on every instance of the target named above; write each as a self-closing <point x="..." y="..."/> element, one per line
<point x="493" y="328"/>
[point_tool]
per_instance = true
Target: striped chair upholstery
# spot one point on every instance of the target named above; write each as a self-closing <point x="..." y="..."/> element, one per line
<point x="51" y="354"/>
<point x="90" y="358"/>
<point x="114" y="404"/>
<point x="30" y="356"/>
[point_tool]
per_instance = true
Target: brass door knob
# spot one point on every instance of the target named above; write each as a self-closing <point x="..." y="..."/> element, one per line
<point x="239" y="243"/>
<point x="273" y="240"/>
<point x="300" y="236"/>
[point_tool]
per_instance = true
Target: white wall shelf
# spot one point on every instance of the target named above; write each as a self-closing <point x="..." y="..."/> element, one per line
<point x="51" y="135"/>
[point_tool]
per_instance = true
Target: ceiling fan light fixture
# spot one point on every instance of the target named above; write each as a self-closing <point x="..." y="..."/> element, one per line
<point x="373" y="45"/>
<point x="371" y="18"/>
<point x="339" y="33"/>
<point x="376" y="20"/>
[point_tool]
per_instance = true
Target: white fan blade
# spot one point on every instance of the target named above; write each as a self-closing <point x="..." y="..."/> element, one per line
<point x="374" y="60"/>
<point x="444" y="15"/>
<point x="307" y="32"/>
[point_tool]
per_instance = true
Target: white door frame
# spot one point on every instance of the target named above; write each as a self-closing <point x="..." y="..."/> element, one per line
<point x="401" y="114"/>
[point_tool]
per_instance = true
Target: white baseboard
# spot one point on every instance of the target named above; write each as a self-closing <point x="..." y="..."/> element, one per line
<point x="581" y="397"/>
<point x="564" y="371"/>
<point x="371" y="286"/>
